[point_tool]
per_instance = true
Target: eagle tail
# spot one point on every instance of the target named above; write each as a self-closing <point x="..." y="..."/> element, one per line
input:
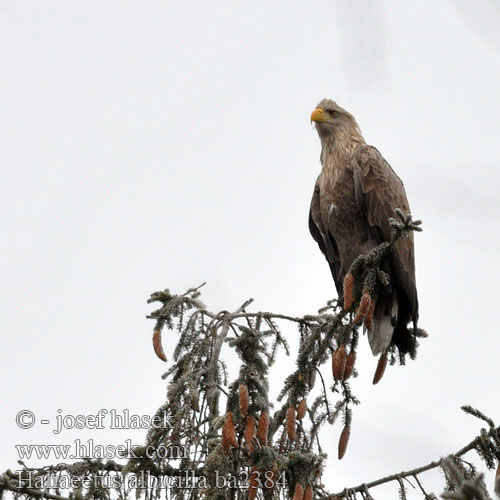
<point x="390" y="324"/>
<point x="381" y="333"/>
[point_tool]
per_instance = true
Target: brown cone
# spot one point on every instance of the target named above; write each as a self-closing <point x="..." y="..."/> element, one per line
<point x="253" y="483"/>
<point x="230" y="432"/>
<point x="369" y="315"/>
<point x="302" y="409"/>
<point x="157" y="345"/>
<point x="339" y="359"/>
<point x="269" y="480"/>
<point x="344" y="440"/>
<point x="348" y="291"/>
<point x="349" y="364"/>
<point x="290" y="423"/>
<point x="298" y="493"/>
<point x="226" y="445"/>
<point x="262" y="428"/>
<point x="379" y="372"/>
<point x="250" y="433"/>
<point x="243" y="393"/>
<point x="308" y="494"/>
<point x="364" y="307"/>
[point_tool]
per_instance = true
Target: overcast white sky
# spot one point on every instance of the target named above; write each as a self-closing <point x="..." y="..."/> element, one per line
<point x="161" y="144"/>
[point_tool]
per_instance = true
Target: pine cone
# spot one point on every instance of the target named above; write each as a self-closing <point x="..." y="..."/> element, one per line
<point x="349" y="365"/>
<point x="344" y="440"/>
<point x="226" y="445"/>
<point x="339" y="359"/>
<point x="253" y="483"/>
<point x="379" y="372"/>
<point x="302" y="409"/>
<point x="158" y="348"/>
<point x="243" y="392"/>
<point x="250" y="433"/>
<point x="290" y="423"/>
<point x="364" y="307"/>
<point x="348" y="291"/>
<point x="369" y="315"/>
<point x="230" y="432"/>
<point x="298" y="493"/>
<point x="269" y="481"/>
<point x="308" y="494"/>
<point x="262" y="428"/>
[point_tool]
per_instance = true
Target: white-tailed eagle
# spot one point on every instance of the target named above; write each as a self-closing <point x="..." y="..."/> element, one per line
<point x="355" y="195"/>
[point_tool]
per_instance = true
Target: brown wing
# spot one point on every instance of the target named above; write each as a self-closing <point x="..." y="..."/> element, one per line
<point x="324" y="239"/>
<point x="379" y="191"/>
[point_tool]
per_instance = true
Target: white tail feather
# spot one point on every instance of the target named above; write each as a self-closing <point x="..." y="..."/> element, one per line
<point x="380" y="335"/>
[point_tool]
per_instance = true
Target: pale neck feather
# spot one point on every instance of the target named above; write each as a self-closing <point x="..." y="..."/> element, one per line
<point x="336" y="152"/>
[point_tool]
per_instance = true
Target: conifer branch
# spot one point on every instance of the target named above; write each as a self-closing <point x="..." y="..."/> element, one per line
<point x="475" y="444"/>
<point x="244" y="437"/>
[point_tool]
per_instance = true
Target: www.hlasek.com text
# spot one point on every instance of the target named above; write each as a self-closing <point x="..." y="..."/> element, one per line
<point x="90" y="449"/>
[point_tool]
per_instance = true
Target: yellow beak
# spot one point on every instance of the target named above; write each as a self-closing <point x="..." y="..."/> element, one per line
<point x="318" y="115"/>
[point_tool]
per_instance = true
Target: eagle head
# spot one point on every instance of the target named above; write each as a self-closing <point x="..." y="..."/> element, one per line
<point x="335" y="124"/>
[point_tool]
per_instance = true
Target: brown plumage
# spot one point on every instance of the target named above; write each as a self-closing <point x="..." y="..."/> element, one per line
<point x="355" y="195"/>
